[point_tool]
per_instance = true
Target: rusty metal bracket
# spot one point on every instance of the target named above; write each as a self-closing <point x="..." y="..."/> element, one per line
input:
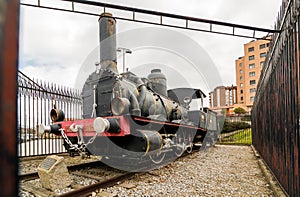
<point x="9" y="26"/>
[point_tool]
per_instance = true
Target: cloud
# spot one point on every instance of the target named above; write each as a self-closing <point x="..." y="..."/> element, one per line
<point x="59" y="35"/>
<point x="54" y="45"/>
<point x="50" y="71"/>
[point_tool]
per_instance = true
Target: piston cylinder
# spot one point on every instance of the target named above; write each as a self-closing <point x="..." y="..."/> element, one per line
<point x="146" y="141"/>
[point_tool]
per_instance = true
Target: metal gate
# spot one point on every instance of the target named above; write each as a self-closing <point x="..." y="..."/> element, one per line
<point x="35" y="100"/>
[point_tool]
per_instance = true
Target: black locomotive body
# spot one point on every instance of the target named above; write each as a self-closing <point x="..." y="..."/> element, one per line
<point x="125" y="116"/>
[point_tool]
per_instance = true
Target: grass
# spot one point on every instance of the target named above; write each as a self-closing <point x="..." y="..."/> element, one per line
<point x="242" y="137"/>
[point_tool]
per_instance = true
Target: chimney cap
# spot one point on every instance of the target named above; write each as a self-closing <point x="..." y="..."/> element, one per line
<point x="106" y="14"/>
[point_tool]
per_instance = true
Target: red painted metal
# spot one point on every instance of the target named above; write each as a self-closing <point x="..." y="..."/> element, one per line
<point x="9" y="15"/>
<point x="88" y="127"/>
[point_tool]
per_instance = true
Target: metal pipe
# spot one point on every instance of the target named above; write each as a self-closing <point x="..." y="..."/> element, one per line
<point x="161" y="15"/>
<point x="124" y="51"/>
<point x="107" y="29"/>
<point x="138" y="10"/>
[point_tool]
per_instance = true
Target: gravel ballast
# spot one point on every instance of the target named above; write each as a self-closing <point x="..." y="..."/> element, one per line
<point x="222" y="171"/>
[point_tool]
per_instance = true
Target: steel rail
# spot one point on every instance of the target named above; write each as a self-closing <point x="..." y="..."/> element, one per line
<point x="28" y="176"/>
<point x="112" y="181"/>
<point x="102" y="184"/>
<point x="34" y="175"/>
<point x="85" y="190"/>
<point x="161" y="16"/>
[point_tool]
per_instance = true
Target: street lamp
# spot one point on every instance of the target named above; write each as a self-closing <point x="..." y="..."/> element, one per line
<point x="124" y="51"/>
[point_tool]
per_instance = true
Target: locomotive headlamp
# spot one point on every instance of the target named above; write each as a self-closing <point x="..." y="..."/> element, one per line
<point x="120" y="106"/>
<point x="101" y="125"/>
<point x="187" y="100"/>
<point x="57" y="115"/>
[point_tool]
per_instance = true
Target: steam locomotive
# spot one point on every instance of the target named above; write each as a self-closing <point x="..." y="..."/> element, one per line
<point x="125" y="116"/>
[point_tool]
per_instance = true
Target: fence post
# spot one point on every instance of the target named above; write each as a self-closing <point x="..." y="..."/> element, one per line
<point x="9" y="23"/>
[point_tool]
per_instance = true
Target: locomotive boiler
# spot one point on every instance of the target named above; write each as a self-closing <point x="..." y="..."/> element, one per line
<point x="125" y="116"/>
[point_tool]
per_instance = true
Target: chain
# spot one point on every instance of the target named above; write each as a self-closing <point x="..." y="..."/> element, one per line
<point x="92" y="139"/>
<point x="75" y="146"/>
<point x="69" y="142"/>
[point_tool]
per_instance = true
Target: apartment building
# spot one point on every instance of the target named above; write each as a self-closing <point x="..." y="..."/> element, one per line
<point x="248" y="69"/>
<point x="223" y="98"/>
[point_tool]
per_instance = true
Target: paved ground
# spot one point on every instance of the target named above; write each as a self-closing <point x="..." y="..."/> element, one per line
<point x="223" y="171"/>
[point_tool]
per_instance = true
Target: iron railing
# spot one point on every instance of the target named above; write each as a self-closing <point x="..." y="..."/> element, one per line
<point x="239" y="137"/>
<point x="275" y="114"/>
<point x="236" y="131"/>
<point x="35" y="100"/>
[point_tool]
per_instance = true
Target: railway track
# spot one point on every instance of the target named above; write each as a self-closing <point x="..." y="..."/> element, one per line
<point x="78" y="190"/>
<point x="34" y="175"/>
<point x="97" y="173"/>
<point x="101" y="184"/>
<point x="29" y="182"/>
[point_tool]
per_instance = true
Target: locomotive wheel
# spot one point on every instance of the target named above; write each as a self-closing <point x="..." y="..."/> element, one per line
<point x="158" y="157"/>
<point x="189" y="143"/>
<point x="179" y="140"/>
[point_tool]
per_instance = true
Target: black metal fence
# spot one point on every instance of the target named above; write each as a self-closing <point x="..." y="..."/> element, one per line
<point x="236" y="131"/>
<point x="275" y="114"/>
<point x="238" y="137"/>
<point x="35" y="100"/>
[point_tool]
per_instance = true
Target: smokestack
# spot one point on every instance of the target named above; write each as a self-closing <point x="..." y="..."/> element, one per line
<point x="107" y="29"/>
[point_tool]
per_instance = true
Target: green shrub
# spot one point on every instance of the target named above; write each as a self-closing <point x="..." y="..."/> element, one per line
<point x="233" y="126"/>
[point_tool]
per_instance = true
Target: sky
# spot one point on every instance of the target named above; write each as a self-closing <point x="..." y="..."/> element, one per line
<point x="62" y="47"/>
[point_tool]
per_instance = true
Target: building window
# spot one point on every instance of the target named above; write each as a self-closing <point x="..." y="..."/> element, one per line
<point x="242" y="98"/>
<point x="241" y="84"/>
<point x="252" y="90"/>
<point x="262" y="55"/>
<point x="241" y="64"/>
<point x="250" y="49"/>
<point x="242" y="91"/>
<point x="241" y="71"/>
<point x="251" y="66"/>
<point x="251" y="57"/>
<point x="268" y="44"/>
<point x="262" y="63"/>
<point x="262" y="46"/>
<point x="252" y="82"/>
<point x="252" y="99"/>
<point x="251" y="74"/>
<point x="241" y="78"/>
